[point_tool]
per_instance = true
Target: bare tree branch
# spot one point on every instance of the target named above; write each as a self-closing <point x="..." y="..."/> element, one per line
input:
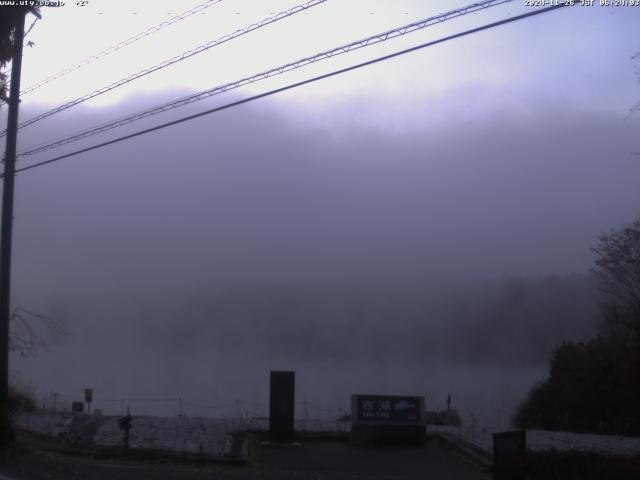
<point x="28" y="331"/>
<point x="617" y="268"/>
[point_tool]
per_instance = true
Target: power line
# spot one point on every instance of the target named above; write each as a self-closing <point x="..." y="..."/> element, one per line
<point x="151" y="399"/>
<point x="371" y="40"/>
<point x="122" y="44"/>
<point x="205" y="407"/>
<point x="178" y="58"/>
<point x="301" y="83"/>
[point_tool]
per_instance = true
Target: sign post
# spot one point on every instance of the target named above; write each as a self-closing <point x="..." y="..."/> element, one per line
<point x="125" y="425"/>
<point x="88" y="398"/>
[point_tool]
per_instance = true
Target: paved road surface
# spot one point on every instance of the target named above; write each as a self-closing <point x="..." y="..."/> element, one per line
<point x="326" y="461"/>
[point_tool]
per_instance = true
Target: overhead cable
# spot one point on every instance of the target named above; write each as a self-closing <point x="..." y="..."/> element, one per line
<point x="298" y="84"/>
<point x="371" y="40"/>
<point x="178" y="58"/>
<point x="122" y="44"/>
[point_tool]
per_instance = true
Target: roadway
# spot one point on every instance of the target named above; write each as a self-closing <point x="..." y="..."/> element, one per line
<point x="313" y="460"/>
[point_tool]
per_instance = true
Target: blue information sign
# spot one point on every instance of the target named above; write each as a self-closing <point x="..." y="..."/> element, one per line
<point x="381" y="408"/>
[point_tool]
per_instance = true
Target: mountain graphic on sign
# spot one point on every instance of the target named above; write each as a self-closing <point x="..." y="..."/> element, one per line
<point x="403" y="405"/>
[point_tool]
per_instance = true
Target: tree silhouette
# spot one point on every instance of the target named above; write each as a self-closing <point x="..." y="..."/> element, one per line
<point x="593" y="386"/>
<point x="30" y="332"/>
<point x="8" y="18"/>
<point x="617" y="268"/>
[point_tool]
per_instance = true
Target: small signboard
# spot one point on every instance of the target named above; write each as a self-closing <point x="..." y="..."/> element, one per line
<point x="88" y="395"/>
<point x="77" y="407"/>
<point x="387" y="419"/>
<point x="387" y="409"/>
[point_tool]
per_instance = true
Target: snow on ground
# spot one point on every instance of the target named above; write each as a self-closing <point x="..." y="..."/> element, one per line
<point x="539" y="440"/>
<point x="317" y="426"/>
<point x="54" y="425"/>
<point x="193" y="435"/>
<point x="606" y="444"/>
<point x="214" y="436"/>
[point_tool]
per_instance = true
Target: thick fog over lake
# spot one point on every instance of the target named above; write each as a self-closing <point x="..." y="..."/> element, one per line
<point x="189" y="264"/>
<point x="431" y="237"/>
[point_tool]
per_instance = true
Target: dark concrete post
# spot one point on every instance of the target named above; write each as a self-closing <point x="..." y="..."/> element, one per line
<point x="281" y="407"/>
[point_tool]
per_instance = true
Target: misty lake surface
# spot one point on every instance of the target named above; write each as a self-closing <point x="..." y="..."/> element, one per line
<point x="221" y="385"/>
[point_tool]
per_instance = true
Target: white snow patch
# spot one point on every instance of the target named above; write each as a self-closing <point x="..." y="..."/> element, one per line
<point x="541" y="440"/>
<point x="194" y="435"/>
<point x="52" y="424"/>
<point x="212" y="437"/>
<point x="318" y="426"/>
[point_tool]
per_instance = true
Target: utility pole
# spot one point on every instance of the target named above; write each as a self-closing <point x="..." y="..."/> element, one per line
<point x="7" y="224"/>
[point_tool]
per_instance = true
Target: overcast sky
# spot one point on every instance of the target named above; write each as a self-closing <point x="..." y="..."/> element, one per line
<point x="524" y="122"/>
<point x="504" y="153"/>
<point x="560" y="54"/>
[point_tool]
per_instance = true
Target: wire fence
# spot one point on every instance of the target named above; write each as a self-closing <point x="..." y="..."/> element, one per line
<point x="181" y="407"/>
